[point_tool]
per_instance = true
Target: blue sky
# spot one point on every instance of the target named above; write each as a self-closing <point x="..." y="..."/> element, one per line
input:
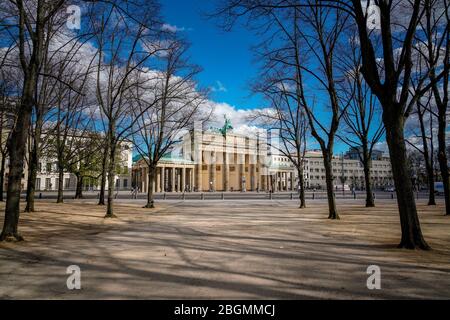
<point x="225" y="57"/>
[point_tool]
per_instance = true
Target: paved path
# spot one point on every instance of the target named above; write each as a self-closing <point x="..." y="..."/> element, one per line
<point x="228" y="250"/>
<point x="310" y="195"/>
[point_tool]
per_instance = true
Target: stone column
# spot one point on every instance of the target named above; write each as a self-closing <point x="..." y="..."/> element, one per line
<point x="163" y="179"/>
<point x="286" y="180"/>
<point x="226" y="171"/>
<point x="173" y="179"/>
<point x="183" y="179"/>
<point x="259" y="178"/>
<point x="198" y="171"/>
<point x="145" y="179"/>
<point x="286" y="174"/>
<point x="154" y="185"/>
<point x="213" y="170"/>
<point x="254" y="178"/>
<point x="142" y="180"/>
<point x="138" y="178"/>
<point x="281" y="181"/>
<point x="242" y="171"/>
<point x="158" y="179"/>
<point x="280" y="187"/>
<point x="277" y="182"/>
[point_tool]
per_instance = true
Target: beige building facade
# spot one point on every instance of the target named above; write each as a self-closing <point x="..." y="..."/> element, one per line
<point x="172" y="175"/>
<point x="349" y="170"/>
<point x="208" y="161"/>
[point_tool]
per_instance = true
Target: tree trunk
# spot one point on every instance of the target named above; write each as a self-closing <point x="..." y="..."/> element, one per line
<point x="370" y="201"/>
<point x="17" y="147"/>
<point x="301" y="187"/>
<point x="411" y="233"/>
<point x="33" y="164"/>
<point x="330" y="188"/>
<point x="111" y="165"/>
<point x="151" y="179"/>
<point x="2" y="176"/>
<point x="31" y="184"/>
<point x="79" y="188"/>
<point x="442" y="158"/>
<point x="60" y="184"/>
<point x="101" y="200"/>
<point x="3" y="154"/>
<point x="426" y="156"/>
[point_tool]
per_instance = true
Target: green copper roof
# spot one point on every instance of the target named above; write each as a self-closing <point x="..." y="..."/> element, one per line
<point x="168" y="158"/>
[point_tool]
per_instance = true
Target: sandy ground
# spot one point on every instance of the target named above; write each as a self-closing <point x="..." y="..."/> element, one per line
<point x="223" y="249"/>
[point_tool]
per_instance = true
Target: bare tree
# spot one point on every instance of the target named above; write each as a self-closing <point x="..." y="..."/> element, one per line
<point x="71" y="136"/>
<point x="312" y="35"/>
<point x="125" y="42"/>
<point x="423" y="141"/>
<point x="390" y="82"/>
<point x="433" y="59"/>
<point x="27" y="25"/>
<point x="7" y="120"/>
<point x="287" y="117"/>
<point x="278" y="84"/>
<point x="389" y="78"/>
<point x="363" y="126"/>
<point x="45" y="99"/>
<point x="168" y="112"/>
<point x="8" y="106"/>
<point x="327" y="26"/>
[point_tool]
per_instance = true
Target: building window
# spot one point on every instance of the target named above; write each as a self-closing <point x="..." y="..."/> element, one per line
<point x="48" y="183"/>
<point x="38" y="183"/>
<point x="48" y="167"/>
<point x="66" y="183"/>
<point x="117" y="183"/>
<point x="125" y="183"/>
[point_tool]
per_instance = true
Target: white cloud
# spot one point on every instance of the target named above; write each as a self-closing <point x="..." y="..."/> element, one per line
<point x="239" y="117"/>
<point x="172" y="28"/>
<point x="219" y="87"/>
<point x="382" y="146"/>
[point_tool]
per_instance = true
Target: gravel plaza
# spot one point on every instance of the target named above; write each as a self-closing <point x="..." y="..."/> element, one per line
<point x="232" y="249"/>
